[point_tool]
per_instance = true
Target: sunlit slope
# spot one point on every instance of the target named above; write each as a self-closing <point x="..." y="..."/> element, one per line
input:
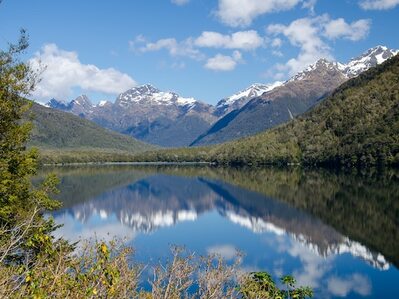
<point x="357" y="124"/>
<point x="55" y="129"/>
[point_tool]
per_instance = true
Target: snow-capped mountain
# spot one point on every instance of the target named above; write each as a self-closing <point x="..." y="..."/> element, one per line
<point x="159" y="117"/>
<point x="240" y="98"/>
<point x="55" y="104"/>
<point x="80" y="106"/>
<point x="354" y="67"/>
<point x="371" y="58"/>
<point x="285" y="101"/>
<point x="167" y="119"/>
<point x="149" y="95"/>
<point x="103" y="103"/>
<point x="321" y="64"/>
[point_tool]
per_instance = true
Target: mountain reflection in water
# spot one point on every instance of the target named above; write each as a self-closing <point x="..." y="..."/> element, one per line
<point x="313" y="224"/>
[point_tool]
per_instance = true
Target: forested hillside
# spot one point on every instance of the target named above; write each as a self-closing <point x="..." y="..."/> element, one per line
<point x="55" y="129"/>
<point x="357" y="124"/>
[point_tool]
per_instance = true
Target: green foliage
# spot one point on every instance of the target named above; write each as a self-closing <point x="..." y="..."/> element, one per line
<point x="357" y="125"/>
<point x="55" y="130"/>
<point x="83" y="155"/>
<point x="104" y="270"/>
<point x="257" y="285"/>
<point x="24" y="233"/>
<point x="95" y="272"/>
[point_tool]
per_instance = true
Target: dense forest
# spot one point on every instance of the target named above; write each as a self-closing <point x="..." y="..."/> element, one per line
<point x="357" y="125"/>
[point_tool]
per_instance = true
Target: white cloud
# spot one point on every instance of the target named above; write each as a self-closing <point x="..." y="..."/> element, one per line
<point x="223" y="62"/>
<point x="341" y="287"/>
<point x="311" y="36"/>
<point x="243" y="40"/>
<point x="237" y="13"/>
<point x="378" y="4"/>
<point x="178" y="65"/>
<point x="237" y="56"/>
<point x="64" y="71"/>
<point x="276" y="43"/>
<point x="340" y="29"/>
<point x="180" y="2"/>
<point x="303" y="33"/>
<point x="314" y="267"/>
<point x="92" y="229"/>
<point x="278" y="54"/>
<point x="228" y="252"/>
<point x="309" y="4"/>
<point x="175" y="48"/>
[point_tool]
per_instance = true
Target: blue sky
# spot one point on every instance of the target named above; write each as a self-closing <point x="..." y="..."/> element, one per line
<point x="198" y="48"/>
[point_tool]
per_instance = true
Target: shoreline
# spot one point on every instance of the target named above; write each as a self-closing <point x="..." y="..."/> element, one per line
<point x="127" y="163"/>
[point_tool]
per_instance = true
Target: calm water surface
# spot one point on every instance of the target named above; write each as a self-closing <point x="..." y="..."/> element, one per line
<point x="337" y="233"/>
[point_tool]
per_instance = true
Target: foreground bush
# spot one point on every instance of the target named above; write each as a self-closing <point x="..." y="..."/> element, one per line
<point x="101" y="270"/>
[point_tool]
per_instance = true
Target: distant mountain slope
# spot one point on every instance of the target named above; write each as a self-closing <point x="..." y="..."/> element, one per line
<point x="239" y="99"/>
<point x="358" y="124"/>
<point x="294" y="97"/>
<point x="148" y="114"/>
<point x="167" y="119"/>
<point x="55" y="129"/>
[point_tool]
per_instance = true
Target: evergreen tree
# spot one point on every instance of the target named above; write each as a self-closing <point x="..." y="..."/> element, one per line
<point x="24" y="233"/>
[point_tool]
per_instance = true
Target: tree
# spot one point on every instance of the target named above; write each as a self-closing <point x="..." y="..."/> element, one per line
<point x="24" y="233"/>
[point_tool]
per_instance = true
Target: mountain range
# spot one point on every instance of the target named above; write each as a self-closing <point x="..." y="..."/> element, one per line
<point x="291" y="98"/>
<point x="166" y="119"/>
<point x="148" y="114"/>
<point x="356" y="125"/>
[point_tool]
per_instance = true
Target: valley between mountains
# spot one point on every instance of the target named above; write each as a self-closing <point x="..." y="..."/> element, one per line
<point x="144" y="118"/>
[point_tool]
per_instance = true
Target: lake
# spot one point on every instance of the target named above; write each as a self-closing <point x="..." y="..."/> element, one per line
<point x="336" y="232"/>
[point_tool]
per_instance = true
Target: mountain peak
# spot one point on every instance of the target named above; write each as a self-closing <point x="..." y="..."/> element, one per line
<point x="103" y="103"/>
<point x="83" y="99"/>
<point x="240" y="98"/>
<point x="379" y="48"/>
<point x="56" y="104"/>
<point x="147" y="88"/>
<point x="323" y="62"/>
<point x="368" y="59"/>
<point x="320" y="66"/>
<point x="82" y="102"/>
<point x="149" y="95"/>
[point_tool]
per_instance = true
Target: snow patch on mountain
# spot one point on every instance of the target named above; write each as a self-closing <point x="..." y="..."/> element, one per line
<point x="255" y="90"/>
<point x="321" y="63"/>
<point x="354" y="67"/>
<point x="147" y="94"/>
<point x="148" y="223"/>
<point x="258" y="225"/>
<point x="371" y="58"/>
<point x="102" y="103"/>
